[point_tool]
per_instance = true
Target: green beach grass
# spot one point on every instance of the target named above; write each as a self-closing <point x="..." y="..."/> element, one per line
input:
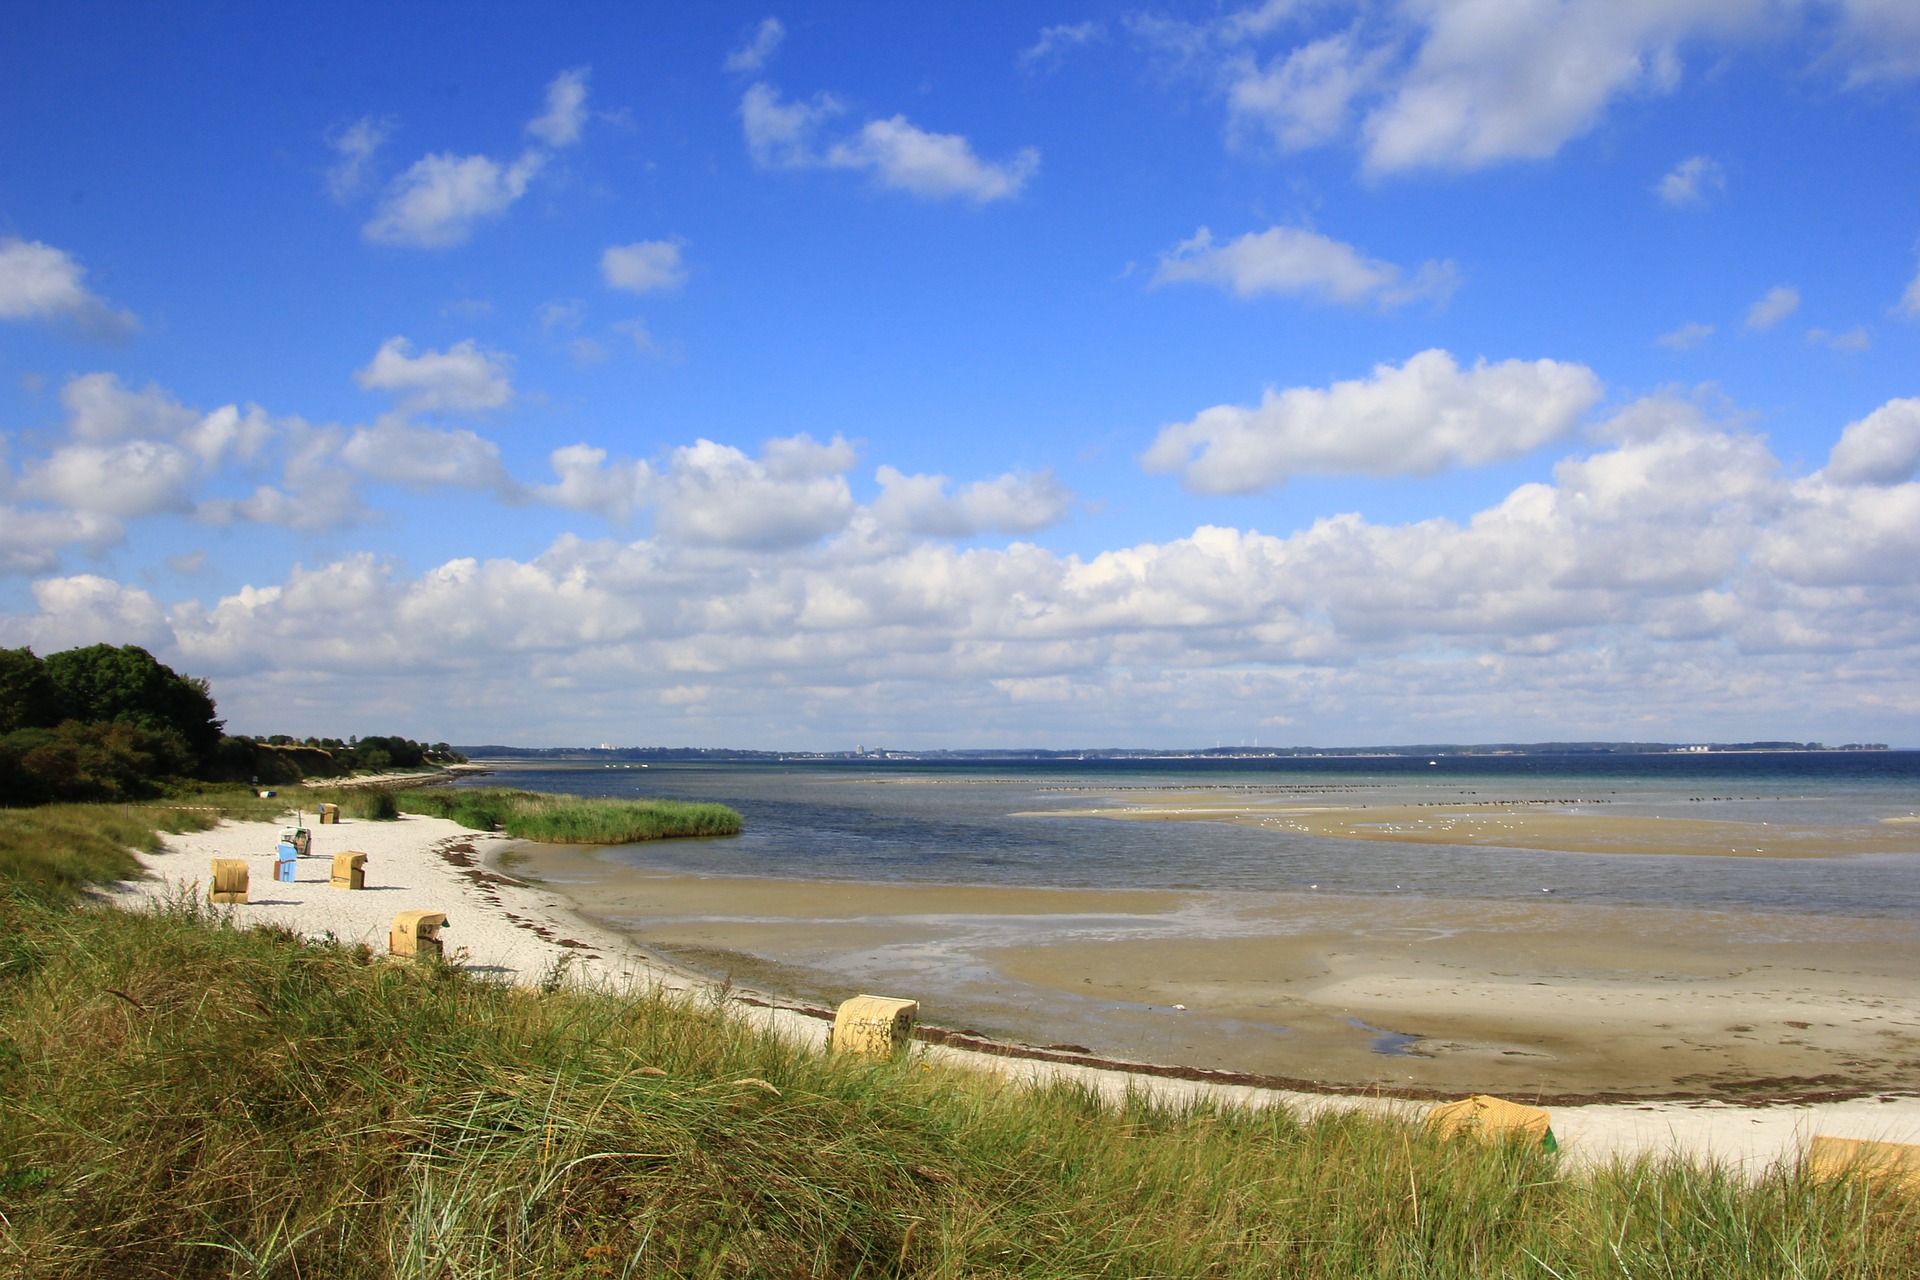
<point x="61" y="848"/>
<point x="564" y="819"/>
<point x="186" y="1098"/>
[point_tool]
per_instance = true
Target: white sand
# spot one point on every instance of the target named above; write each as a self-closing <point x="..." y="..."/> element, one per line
<point x="520" y="933"/>
<point x="494" y="926"/>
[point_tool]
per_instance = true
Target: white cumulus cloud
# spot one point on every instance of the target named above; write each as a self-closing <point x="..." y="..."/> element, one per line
<point x="1296" y="261"/>
<point x="780" y="135"/>
<point x="1450" y="84"/>
<point x="560" y="124"/>
<point x="933" y="165"/>
<point x="899" y="154"/>
<point x="1017" y="502"/>
<point x="794" y="493"/>
<point x="1878" y="40"/>
<point x="709" y="494"/>
<point x="759" y="48"/>
<point x="40" y="282"/>
<point x="645" y="266"/>
<point x="127" y="480"/>
<point x="355" y="146"/>
<point x="1686" y="337"/>
<point x="31" y="540"/>
<point x="1774" y="306"/>
<point x="90" y="609"/>
<point x="586" y="481"/>
<point x="1494" y="82"/>
<point x="1692" y="181"/>
<point x="1414" y="419"/>
<point x="396" y="451"/>
<point x="463" y="377"/>
<point x="1852" y="340"/>
<point x="1306" y="97"/>
<point x="437" y="202"/>
<point x="100" y="409"/>
<point x="1672" y="577"/>
<point x="1882" y="448"/>
<point x="1055" y="40"/>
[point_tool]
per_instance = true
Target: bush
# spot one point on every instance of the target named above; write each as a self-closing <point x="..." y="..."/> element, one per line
<point x="76" y="761"/>
<point x="369" y="804"/>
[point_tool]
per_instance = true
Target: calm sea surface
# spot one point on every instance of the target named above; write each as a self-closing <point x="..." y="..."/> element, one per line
<point x="955" y="824"/>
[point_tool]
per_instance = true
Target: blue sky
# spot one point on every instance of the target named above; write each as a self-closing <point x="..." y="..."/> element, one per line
<point x="1067" y="375"/>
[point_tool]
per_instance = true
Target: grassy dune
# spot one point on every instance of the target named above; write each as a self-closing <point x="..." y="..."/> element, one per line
<point x="529" y="815"/>
<point x="182" y="1098"/>
<point x="64" y="847"/>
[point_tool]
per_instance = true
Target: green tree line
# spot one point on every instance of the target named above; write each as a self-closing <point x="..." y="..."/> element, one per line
<point x="107" y="722"/>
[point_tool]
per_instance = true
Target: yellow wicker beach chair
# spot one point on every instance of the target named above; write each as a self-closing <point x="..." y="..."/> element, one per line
<point x="875" y="1026"/>
<point x="349" y="871"/>
<point x="416" y="933"/>
<point x="1895" y="1164"/>
<point x="229" y="881"/>
<point x="1484" y="1116"/>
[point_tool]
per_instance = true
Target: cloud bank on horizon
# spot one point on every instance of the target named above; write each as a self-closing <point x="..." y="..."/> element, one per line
<point x="592" y="386"/>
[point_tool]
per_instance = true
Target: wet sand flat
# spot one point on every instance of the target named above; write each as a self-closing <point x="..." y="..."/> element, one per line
<point x="669" y="894"/>
<point x="1558" y="1001"/>
<point x="1526" y="825"/>
<point x="1553" y="998"/>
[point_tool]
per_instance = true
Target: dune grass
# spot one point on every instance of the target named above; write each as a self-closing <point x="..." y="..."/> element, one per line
<point x="562" y="819"/>
<point x="189" y="1099"/>
<point x="59" y="849"/>
<point x="182" y="1098"/>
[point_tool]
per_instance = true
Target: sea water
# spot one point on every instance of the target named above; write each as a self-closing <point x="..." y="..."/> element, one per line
<point x="987" y="823"/>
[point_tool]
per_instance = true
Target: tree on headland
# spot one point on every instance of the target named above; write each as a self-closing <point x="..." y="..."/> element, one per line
<point x="107" y="722"/>
<point x="99" y="723"/>
<point x="27" y="697"/>
<point x="127" y="685"/>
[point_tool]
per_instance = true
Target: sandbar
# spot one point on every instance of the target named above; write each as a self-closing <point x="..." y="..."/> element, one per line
<point x="1524" y="824"/>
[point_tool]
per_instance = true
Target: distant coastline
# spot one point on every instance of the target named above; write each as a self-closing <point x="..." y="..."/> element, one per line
<point x="984" y="755"/>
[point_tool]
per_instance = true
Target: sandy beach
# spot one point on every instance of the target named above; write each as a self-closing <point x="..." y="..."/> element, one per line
<point x="1733" y="1016"/>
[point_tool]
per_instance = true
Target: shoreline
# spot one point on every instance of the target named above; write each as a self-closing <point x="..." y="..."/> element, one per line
<point x="396" y="781"/>
<point x="531" y="932"/>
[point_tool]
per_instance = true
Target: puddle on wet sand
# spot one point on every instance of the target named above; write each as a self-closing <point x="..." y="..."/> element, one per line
<point x="1391" y="1044"/>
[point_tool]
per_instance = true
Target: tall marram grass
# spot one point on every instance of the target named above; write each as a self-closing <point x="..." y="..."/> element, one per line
<point x="182" y="1098"/>
<point x="61" y="848"/>
<point x="189" y="1099"/>
<point x="560" y="819"/>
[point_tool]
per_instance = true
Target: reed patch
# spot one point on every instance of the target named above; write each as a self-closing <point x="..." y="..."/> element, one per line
<point x="564" y="819"/>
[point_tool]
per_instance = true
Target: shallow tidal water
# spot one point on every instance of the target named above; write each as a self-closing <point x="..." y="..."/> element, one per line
<point x="1298" y="955"/>
<point x="956" y="825"/>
